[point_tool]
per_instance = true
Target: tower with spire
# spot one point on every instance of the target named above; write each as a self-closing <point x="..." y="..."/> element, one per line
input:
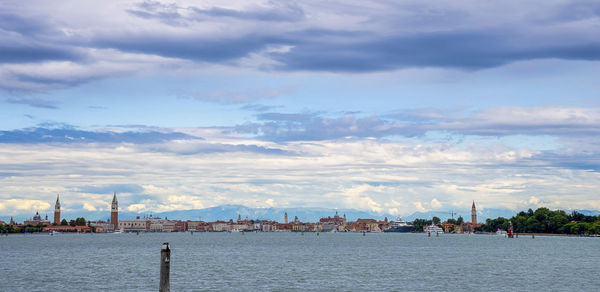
<point x="473" y="214"/>
<point x="57" y="211"/>
<point x="285" y="220"/>
<point x="114" y="212"/>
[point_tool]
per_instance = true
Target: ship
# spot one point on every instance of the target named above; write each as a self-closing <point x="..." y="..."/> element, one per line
<point x="433" y="229"/>
<point x="400" y="226"/>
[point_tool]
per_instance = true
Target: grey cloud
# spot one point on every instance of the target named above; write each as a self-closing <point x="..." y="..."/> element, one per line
<point x="69" y="134"/>
<point x="502" y="121"/>
<point x="170" y="13"/>
<point x="288" y="12"/>
<point x="109" y="189"/>
<point x="451" y="49"/>
<point x="206" y="49"/>
<point x="554" y="121"/>
<point x="207" y="148"/>
<point x="26" y="39"/>
<point x="34" y="102"/>
<point x="259" y="107"/>
<point x="390" y="37"/>
<point x="294" y="127"/>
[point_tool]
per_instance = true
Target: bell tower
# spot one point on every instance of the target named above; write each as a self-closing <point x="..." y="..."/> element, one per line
<point x="473" y="214"/>
<point x="114" y="212"/>
<point x="57" y="211"/>
<point x="285" y="220"/>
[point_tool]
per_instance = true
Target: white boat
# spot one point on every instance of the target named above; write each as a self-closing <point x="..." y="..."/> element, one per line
<point x="433" y="229"/>
<point x="501" y="232"/>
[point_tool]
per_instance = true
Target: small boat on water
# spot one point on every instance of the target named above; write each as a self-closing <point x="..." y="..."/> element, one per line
<point x="501" y="232"/>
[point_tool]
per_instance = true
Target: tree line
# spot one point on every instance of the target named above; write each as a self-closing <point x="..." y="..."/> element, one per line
<point x="544" y="220"/>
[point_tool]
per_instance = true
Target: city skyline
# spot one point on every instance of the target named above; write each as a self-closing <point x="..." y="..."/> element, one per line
<point x="391" y="108"/>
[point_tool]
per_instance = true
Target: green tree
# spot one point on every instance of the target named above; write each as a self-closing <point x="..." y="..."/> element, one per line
<point x="533" y="225"/>
<point x="72" y="223"/>
<point x="520" y="222"/>
<point x="436" y="220"/>
<point x="64" y="222"/>
<point x="459" y="220"/>
<point x="556" y="221"/>
<point x="80" y="221"/>
<point x="596" y="229"/>
<point x="419" y="224"/>
<point x="576" y="228"/>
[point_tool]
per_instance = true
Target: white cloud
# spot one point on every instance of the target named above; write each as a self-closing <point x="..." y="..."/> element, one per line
<point x="23" y="206"/>
<point x="419" y="207"/>
<point x="88" y="207"/>
<point x="435" y="204"/>
<point x="137" y="208"/>
<point x="371" y="175"/>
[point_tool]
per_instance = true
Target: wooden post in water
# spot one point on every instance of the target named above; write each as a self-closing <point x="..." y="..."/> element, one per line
<point x="165" y="267"/>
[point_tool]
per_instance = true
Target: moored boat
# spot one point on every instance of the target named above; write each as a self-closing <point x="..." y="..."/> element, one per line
<point x="400" y="226"/>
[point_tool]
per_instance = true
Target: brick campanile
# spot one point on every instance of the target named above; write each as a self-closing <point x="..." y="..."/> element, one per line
<point x="114" y="212"/>
<point x="473" y="214"/>
<point x="57" y="211"/>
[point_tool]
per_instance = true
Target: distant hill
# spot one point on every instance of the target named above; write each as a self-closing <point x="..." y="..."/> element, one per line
<point x="482" y="214"/>
<point x="226" y="212"/>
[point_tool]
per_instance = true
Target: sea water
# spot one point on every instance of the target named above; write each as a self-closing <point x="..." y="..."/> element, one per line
<point x="282" y="261"/>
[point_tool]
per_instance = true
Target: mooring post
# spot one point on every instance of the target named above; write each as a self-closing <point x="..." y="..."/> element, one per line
<point x="165" y="267"/>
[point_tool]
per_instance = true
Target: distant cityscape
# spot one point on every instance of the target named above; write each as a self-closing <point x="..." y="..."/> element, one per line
<point x="335" y="223"/>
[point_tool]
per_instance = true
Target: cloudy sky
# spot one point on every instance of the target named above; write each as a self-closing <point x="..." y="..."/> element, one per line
<point x="391" y="107"/>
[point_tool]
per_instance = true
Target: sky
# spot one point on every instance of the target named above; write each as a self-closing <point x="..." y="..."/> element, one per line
<point x="390" y="107"/>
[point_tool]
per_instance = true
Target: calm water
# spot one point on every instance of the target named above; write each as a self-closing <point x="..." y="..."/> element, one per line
<point x="291" y="261"/>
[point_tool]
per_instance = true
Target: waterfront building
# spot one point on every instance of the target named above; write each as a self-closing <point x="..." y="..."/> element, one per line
<point x="268" y="226"/>
<point x="297" y="226"/>
<point x="57" y="212"/>
<point x="134" y="225"/>
<point x="180" y="226"/>
<point x="114" y="212"/>
<point x="168" y="225"/>
<point x="331" y="224"/>
<point x="101" y="226"/>
<point x="37" y="220"/>
<point x="449" y="227"/>
<point x="197" y="226"/>
<point x="367" y="225"/>
<point x="257" y="225"/>
<point x="336" y="219"/>
<point x="219" y="226"/>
